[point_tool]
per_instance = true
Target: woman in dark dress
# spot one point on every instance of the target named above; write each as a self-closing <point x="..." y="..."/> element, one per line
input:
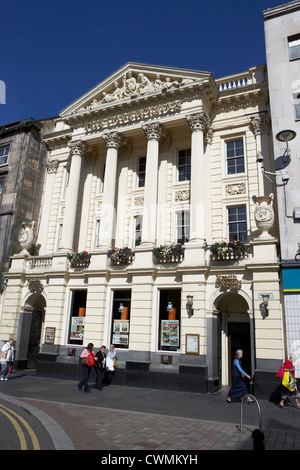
<point x="238" y="388"/>
<point x="100" y="367"/>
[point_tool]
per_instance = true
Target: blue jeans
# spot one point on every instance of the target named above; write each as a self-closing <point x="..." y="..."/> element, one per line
<point x="4" y="369"/>
<point x="84" y="380"/>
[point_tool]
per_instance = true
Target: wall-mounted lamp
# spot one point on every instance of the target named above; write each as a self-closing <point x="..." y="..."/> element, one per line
<point x="189" y="305"/>
<point x="286" y="136"/>
<point x="282" y="136"/>
<point x="265" y="302"/>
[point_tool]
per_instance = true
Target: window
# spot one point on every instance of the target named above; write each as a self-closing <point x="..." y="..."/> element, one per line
<point x="97" y="234"/>
<point x="141" y="174"/>
<point x="169" y="320"/>
<point x="77" y="316"/>
<point x="297" y="106"/>
<point x="237" y="223"/>
<point x="235" y="156"/>
<point x="182" y="227"/>
<point x="138" y="226"/>
<point x="67" y="180"/>
<point x="102" y="179"/>
<point x="294" y="47"/>
<point x="4" y="154"/>
<point x="60" y="231"/>
<point x="184" y="165"/>
<point x="121" y="318"/>
<point x="1" y="189"/>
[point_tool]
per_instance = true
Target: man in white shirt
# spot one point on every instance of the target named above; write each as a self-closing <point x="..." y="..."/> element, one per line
<point x="7" y="357"/>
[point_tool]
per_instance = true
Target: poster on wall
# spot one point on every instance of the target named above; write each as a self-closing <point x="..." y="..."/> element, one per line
<point x="121" y="332"/>
<point x="77" y="328"/>
<point x="169" y="333"/>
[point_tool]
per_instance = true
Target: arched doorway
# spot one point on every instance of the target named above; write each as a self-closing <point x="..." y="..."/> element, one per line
<point x="235" y="334"/>
<point x="30" y="330"/>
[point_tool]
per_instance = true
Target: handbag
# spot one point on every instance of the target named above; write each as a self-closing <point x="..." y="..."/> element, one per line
<point x="3" y="355"/>
<point x="288" y="382"/>
<point x="83" y="361"/>
<point x="115" y="365"/>
<point x="280" y="373"/>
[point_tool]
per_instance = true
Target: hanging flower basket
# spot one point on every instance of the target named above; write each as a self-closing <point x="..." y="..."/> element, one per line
<point x="80" y="259"/>
<point x="171" y="253"/>
<point x="233" y="249"/>
<point x="120" y="255"/>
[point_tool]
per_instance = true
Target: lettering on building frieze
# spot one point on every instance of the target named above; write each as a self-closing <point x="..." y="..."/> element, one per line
<point x="228" y="282"/>
<point x="149" y="112"/>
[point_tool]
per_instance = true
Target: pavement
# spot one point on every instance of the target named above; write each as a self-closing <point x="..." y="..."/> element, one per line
<point x="123" y="419"/>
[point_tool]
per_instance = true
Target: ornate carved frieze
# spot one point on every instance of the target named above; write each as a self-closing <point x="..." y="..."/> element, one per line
<point x="132" y="116"/>
<point x="138" y="201"/>
<point x="182" y="195"/>
<point x="235" y="189"/>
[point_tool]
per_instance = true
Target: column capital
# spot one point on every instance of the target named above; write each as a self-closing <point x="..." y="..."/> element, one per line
<point x="197" y="121"/>
<point x="78" y="147"/>
<point x="153" y="131"/>
<point x="113" y="140"/>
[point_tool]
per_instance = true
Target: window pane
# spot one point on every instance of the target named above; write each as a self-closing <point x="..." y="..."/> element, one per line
<point x="235" y="156"/>
<point x="184" y="165"/>
<point x="294" y="47"/>
<point x="183" y="227"/>
<point x="141" y="172"/>
<point x="237" y="223"/>
<point x="3" y="154"/>
<point x="138" y="221"/>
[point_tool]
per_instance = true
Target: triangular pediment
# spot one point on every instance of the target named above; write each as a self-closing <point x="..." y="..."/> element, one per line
<point x="133" y="82"/>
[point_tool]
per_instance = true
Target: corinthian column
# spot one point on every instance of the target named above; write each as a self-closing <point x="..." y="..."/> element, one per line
<point x="153" y="134"/>
<point x="113" y="141"/>
<point x="77" y="149"/>
<point x="198" y="123"/>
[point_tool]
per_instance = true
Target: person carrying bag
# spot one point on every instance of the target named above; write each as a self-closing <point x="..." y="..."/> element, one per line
<point x="87" y="360"/>
<point x="289" y="382"/>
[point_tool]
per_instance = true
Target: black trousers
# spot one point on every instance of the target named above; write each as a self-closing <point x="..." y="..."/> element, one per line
<point x="99" y="378"/>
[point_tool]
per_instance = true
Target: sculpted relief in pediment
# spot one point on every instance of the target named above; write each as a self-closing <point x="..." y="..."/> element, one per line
<point x="131" y="86"/>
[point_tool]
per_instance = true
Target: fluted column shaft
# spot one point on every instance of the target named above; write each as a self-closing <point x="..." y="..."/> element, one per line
<point x="113" y="141"/>
<point x="197" y="123"/>
<point x="153" y="134"/>
<point x="77" y="149"/>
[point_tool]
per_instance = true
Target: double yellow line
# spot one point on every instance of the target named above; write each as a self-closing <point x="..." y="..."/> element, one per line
<point x="8" y="413"/>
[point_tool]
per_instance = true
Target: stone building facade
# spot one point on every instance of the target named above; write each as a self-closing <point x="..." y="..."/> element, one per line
<point x="282" y="36"/>
<point x="158" y="233"/>
<point x="23" y="157"/>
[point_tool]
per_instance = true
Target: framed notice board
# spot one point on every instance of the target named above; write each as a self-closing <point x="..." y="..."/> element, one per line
<point x="192" y="344"/>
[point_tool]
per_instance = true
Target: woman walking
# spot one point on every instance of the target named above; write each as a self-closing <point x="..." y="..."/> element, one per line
<point x="238" y="388"/>
<point x="88" y="362"/>
<point x="288" y="366"/>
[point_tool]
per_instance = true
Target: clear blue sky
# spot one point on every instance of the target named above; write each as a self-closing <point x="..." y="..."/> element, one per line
<point x="52" y="52"/>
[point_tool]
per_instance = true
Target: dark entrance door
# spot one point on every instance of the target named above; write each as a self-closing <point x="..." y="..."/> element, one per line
<point x="35" y="338"/>
<point x="239" y="338"/>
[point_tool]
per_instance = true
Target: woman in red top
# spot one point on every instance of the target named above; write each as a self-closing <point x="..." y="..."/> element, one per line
<point x="285" y="392"/>
<point x="87" y="352"/>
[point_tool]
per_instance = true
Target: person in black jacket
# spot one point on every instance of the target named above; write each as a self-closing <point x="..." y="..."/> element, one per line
<point x="100" y="367"/>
